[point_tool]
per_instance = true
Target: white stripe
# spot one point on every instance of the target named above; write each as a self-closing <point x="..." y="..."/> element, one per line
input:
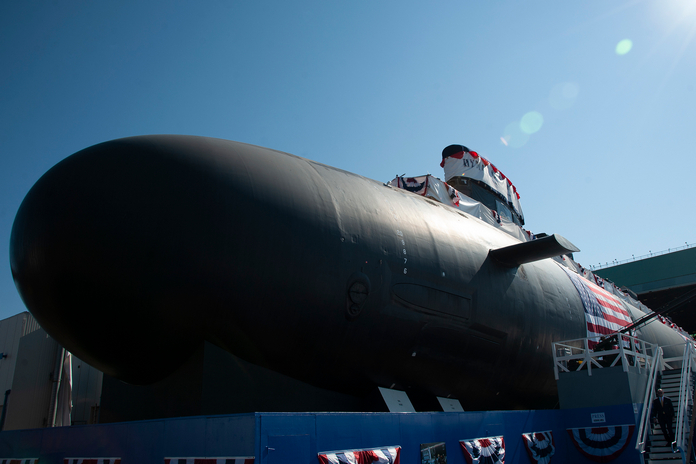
<point x="332" y="458"/>
<point x="341" y="457"/>
<point x="615" y="313"/>
<point x="609" y="299"/>
<point x="603" y="322"/>
<point x="386" y="456"/>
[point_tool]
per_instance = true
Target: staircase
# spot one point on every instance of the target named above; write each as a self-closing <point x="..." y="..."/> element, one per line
<point x="661" y="451"/>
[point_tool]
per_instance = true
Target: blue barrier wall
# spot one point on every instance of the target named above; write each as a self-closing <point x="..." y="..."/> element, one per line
<point x="136" y="442"/>
<point x="282" y="437"/>
<point x="297" y="437"/>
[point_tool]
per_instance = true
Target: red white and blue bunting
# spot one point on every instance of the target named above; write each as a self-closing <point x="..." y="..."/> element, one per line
<point x="602" y="444"/>
<point x="418" y="185"/>
<point x="470" y="164"/>
<point x="489" y="450"/>
<point x="225" y="460"/>
<point x="19" y="461"/>
<point x="92" y="461"/>
<point x="540" y="446"/>
<point x="388" y="455"/>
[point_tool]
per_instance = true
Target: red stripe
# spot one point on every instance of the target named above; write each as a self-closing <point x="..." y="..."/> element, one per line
<point x="599" y="329"/>
<point x="609" y="324"/>
<point x="600" y="291"/>
<point x="603" y="293"/>
<point x="459" y="155"/>
<point x="613" y="308"/>
<point x="616" y="320"/>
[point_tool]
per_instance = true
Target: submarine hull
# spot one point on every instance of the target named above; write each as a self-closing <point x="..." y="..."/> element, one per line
<point x="134" y="252"/>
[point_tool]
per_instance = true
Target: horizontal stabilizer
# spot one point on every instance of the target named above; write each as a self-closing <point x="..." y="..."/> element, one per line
<point x="527" y="252"/>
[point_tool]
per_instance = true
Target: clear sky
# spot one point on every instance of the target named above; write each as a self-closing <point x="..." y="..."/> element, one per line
<point x="589" y="107"/>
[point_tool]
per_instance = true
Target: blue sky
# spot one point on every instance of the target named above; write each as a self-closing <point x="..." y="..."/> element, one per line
<point x="378" y="88"/>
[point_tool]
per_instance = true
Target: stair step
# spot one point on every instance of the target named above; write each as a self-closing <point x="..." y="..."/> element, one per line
<point x="660" y="449"/>
<point x="670" y="379"/>
<point x="670" y="383"/>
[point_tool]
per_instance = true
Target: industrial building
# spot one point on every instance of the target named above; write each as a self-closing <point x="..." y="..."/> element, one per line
<point x="41" y="384"/>
<point x="661" y="279"/>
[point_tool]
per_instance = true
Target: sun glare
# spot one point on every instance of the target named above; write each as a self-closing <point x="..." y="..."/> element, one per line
<point x="676" y="13"/>
<point x="678" y="21"/>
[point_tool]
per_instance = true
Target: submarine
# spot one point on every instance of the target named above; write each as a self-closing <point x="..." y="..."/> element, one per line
<point x="134" y="252"/>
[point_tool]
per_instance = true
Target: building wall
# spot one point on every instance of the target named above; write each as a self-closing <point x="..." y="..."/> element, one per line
<point x="28" y="404"/>
<point x="86" y="392"/>
<point x="11" y="330"/>
<point x="671" y="270"/>
<point x="28" y="372"/>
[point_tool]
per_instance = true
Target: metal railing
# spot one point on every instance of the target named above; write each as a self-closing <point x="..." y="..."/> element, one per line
<point x="685" y="400"/>
<point x="644" y="424"/>
<point x="687" y="362"/>
<point x="576" y="355"/>
<point x="638" y="258"/>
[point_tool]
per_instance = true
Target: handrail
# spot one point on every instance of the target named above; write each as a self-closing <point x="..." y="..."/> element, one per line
<point x="638" y="258"/>
<point x="575" y="355"/>
<point x="645" y="415"/>
<point x="684" y="400"/>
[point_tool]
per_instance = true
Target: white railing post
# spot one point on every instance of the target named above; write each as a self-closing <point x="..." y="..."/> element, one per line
<point x="645" y="414"/>
<point x="588" y="359"/>
<point x="684" y="385"/>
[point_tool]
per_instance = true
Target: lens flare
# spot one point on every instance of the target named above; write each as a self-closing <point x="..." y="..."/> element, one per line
<point x="531" y="122"/>
<point x="624" y="47"/>
<point x="514" y="136"/>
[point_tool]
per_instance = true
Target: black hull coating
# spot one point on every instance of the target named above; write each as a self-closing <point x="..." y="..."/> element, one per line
<point x="133" y="252"/>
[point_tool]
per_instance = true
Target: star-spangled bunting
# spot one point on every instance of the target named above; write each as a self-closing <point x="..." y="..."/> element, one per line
<point x="604" y="313"/>
<point x="414" y="185"/>
<point x="489" y="450"/>
<point x="601" y="444"/>
<point x="388" y="455"/>
<point x="540" y="446"/>
<point x="92" y="461"/>
<point x="221" y="460"/>
<point x="19" y="461"/>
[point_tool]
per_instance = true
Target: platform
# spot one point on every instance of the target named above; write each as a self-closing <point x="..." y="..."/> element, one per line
<point x="298" y="437"/>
